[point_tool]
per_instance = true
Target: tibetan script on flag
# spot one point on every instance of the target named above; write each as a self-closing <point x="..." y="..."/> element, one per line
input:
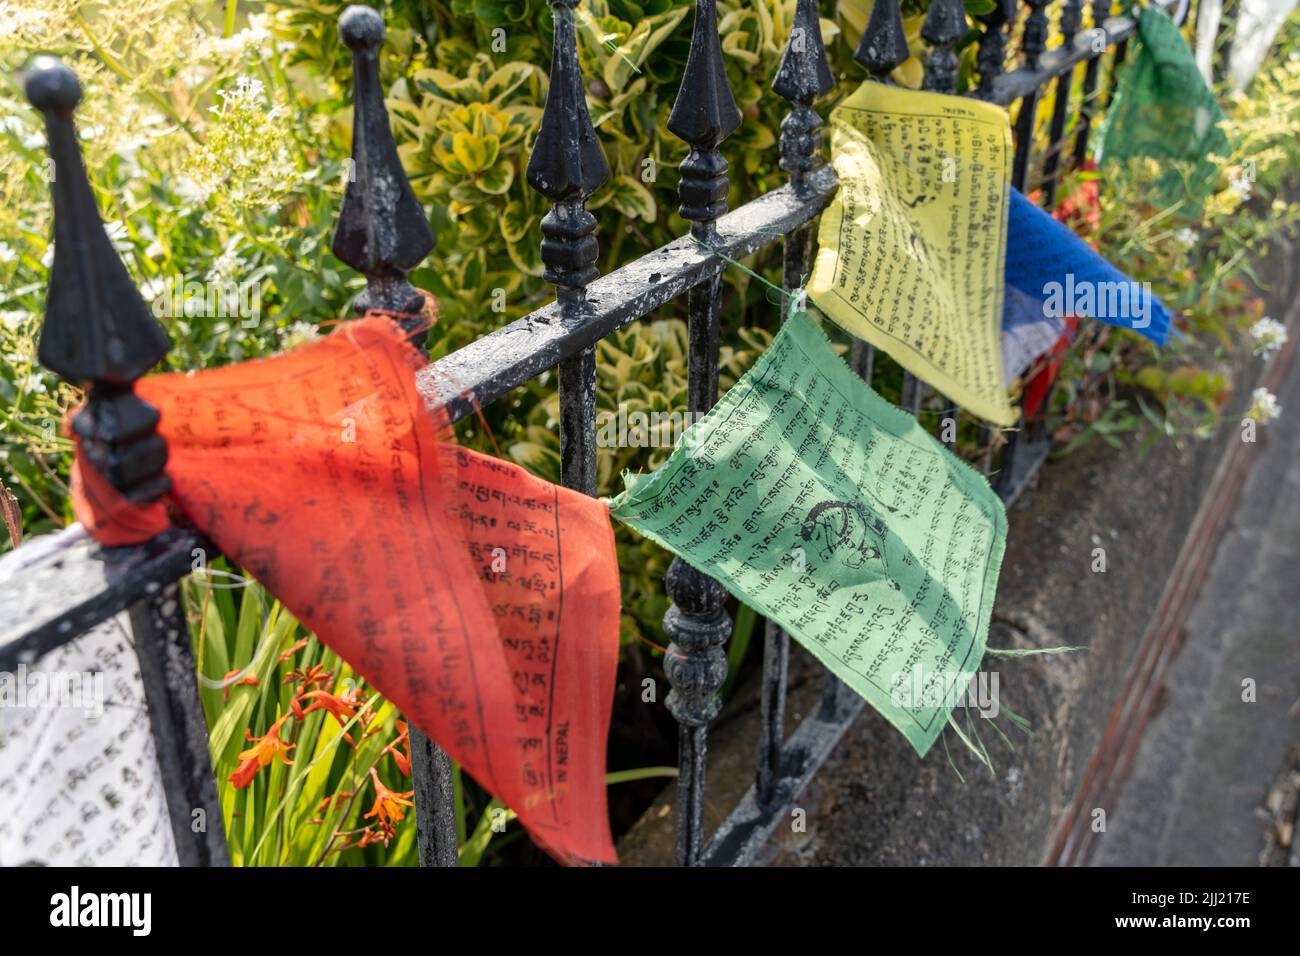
<point x="481" y="600"/>
<point x="911" y="247"/>
<point x="831" y="512"/>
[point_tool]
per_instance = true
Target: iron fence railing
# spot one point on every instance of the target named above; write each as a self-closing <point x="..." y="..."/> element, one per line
<point x="98" y="332"/>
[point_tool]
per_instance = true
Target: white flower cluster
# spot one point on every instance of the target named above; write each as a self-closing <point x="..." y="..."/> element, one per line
<point x="1269" y="335"/>
<point x="1264" y="407"/>
<point x="248" y="40"/>
<point x="228" y="267"/>
<point x="248" y="94"/>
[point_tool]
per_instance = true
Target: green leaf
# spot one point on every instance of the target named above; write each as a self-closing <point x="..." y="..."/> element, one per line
<point x="496" y="180"/>
<point x="501" y="84"/>
<point x="631" y="197"/>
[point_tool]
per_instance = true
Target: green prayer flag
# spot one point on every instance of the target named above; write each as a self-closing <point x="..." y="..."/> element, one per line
<point x="823" y="507"/>
<point x="1164" y="111"/>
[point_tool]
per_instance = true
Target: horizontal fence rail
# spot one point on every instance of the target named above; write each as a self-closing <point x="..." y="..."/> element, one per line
<point x="60" y="586"/>
<point x="489" y="367"/>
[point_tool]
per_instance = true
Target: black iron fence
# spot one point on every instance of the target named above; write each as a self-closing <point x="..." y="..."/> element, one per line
<point x="98" y="331"/>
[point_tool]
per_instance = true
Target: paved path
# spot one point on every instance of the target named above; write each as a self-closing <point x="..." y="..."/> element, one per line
<point x="1208" y="758"/>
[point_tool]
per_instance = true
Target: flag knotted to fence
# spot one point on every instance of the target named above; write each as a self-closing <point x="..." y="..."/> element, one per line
<point x="1164" y="111"/>
<point x="911" y="247"/>
<point x="1050" y="264"/>
<point x="834" y="514"/>
<point x="481" y="600"/>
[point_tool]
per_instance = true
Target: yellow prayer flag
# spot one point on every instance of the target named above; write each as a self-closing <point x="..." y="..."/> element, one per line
<point x="911" y="249"/>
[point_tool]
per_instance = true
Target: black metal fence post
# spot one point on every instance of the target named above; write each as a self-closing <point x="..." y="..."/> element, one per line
<point x="704" y="114"/>
<point x="883" y="46"/>
<point x="179" y="728"/>
<point x="98" y="330"/>
<point x="991" y="60"/>
<point x="1088" y="102"/>
<point x="1071" y="18"/>
<point x="382" y="233"/>
<point x="881" y="50"/>
<point x="566" y="167"/>
<point x="945" y="24"/>
<point x="1032" y="44"/>
<point x="803" y="75"/>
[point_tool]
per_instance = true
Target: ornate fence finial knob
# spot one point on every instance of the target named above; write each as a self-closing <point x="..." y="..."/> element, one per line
<point x="696" y="663"/>
<point x="804" y="75"/>
<point x="382" y="232"/>
<point x="97" y="328"/>
<point x="883" y="47"/>
<point x="944" y="25"/>
<point x="1071" y="20"/>
<point x="992" y="57"/>
<point x="703" y="115"/>
<point x="566" y="166"/>
<point x="1034" y="41"/>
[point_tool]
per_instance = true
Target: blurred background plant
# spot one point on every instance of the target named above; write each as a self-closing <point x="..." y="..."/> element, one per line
<point x="312" y="769"/>
<point x="216" y="138"/>
<point x="1203" y="266"/>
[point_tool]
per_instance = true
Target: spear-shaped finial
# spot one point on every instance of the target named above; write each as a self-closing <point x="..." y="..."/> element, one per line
<point x="944" y="25"/>
<point x="97" y="326"/>
<point x="98" y="329"/>
<point x="704" y="114"/>
<point x="883" y="47"/>
<point x="382" y="232"/>
<point x="1033" y="43"/>
<point x="567" y="166"/>
<point x="803" y="75"/>
<point x="991" y="60"/>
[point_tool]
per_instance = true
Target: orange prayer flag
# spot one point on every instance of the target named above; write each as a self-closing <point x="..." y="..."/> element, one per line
<point x="481" y="600"/>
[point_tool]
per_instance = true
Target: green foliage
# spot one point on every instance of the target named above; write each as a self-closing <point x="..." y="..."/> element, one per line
<point x="216" y="139"/>
<point x="209" y="163"/>
<point x="1197" y="262"/>
<point x="254" y="659"/>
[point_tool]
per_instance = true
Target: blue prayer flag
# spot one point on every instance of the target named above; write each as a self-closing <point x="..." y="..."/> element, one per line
<point x="1047" y="261"/>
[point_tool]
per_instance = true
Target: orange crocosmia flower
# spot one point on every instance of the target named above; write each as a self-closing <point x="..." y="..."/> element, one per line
<point x="364" y="838"/>
<point x="372" y="834"/>
<point x="265" y="748"/>
<point x="250" y="680"/>
<point x="297" y="646"/>
<point x="403" y="762"/>
<point x="401" y="748"/>
<point x="388" y="803"/>
<point x="307" y="678"/>
<point x="342" y="709"/>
